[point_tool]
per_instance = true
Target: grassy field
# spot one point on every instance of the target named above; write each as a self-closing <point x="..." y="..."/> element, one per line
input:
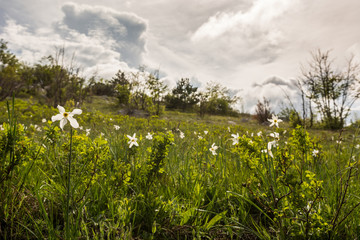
<point x="173" y="177"/>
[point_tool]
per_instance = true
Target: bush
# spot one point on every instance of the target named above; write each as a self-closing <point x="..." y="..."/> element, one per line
<point x="263" y="111"/>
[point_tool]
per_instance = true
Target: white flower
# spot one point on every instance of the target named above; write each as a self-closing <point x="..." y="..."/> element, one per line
<point x="213" y="149"/>
<point x="271" y="144"/>
<point x="64" y="116"/>
<point x="87" y="131"/>
<point x="267" y="151"/>
<point x="274" y="121"/>
<point x="182" y="135"/>
<point x="2" y="128"/>
<point x="117" y="127"/>
<point x="315" y="152"/>
<point x="149" y="136"/>
<point x="229" y="129"/>
<point x="338" y="141"/>
<point x="37" y="128"/>
<point x="275" y="135"/>
<point x="43" y="120"/>
<point x="206" y="132"/>
<point x="200" y="137"/>
<point x="357" y="146"/>
<point x="235" y="138"/>
<point x="132" y="140"/>
<point x="259" y="134"/>
<point x="81" y="128"/>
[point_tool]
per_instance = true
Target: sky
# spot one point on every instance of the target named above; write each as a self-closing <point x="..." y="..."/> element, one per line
<point x="253" y="47"/>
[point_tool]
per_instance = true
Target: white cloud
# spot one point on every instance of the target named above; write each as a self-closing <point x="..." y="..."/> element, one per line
<point x="235" y="42"/>
<point x="121" y="31"/>
<point x="246" y="36"/>
<point x="102" y="40"/>
<point x="275" y="90"/>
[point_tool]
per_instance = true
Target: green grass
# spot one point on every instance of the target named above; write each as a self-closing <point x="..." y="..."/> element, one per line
<point x="170" y="187"/>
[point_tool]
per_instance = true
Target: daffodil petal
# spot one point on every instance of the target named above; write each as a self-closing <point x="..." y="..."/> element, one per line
<point x="61" y="109"/>
<point x="73" y="122"/>
<point x="57" y="117"/>
<point x="63" y="122"/>
<point x="76" y="111"/>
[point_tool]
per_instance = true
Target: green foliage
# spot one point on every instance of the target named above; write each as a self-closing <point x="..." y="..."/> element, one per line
<point x="157" y="88"/>
<point x="123" y="94"/>
<point x="332" y="91"/>
<point x="255" y="185"/>
<point x="216" y="100"/>
<point x="10" y="81"/>
<point x="184" y="96"/>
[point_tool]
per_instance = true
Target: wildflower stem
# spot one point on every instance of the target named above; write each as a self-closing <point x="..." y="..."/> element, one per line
<point x="68" y="190"/>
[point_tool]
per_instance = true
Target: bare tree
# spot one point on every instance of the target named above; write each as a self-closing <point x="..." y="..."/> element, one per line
<point x="331" y="91"/>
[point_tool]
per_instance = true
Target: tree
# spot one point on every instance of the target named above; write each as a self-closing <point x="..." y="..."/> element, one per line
<point x="10" y="81"/>
<point x="120" y="78"/>
<point x="216" y="99"/>
<point x="59" y="81"/>
<point x="263" y="111"/>
<point x="157" y="88"/>
<point x="331" y="91"/>
<point x="184" y="95"/>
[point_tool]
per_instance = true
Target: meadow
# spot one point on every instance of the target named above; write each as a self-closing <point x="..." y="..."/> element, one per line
<point x="174" y="177"/>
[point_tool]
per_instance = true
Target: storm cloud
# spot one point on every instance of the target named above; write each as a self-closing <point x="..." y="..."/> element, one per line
<point x="121" y="31"/>
<point x="101" y="39"/>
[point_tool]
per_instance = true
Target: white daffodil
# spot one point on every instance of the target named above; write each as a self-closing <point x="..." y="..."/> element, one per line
<point x="315" y="152"/>
<point x="37" y="128"/>
<point x="213" y="149"/>
<point x="132" y="140"/>
<point x="64" y="116"/>
<point x="149" y="136"/>
<point x="271" y="144"/>
<point x="266" y="151"/>
<point x="235" y="138"/>
<point x="117" y="127"/>
<point x="275" y="135"/>
<point x="182" y="135"/>
<point x="274" y="121"/>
